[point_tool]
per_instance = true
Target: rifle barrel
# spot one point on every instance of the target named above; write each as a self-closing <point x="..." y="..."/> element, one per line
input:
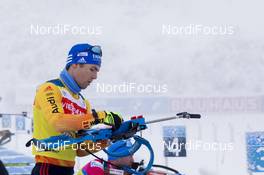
<point x="179" y="115"/>
<point x="161" y="120"/>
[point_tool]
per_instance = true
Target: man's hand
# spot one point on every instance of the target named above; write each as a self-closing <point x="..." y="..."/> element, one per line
<point x="113" y="119"/>
<point x="101" y="126"/>
<point x="109" y="118"/>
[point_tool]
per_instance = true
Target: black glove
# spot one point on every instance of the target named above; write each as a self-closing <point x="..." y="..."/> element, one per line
<point x="114" y="119"/>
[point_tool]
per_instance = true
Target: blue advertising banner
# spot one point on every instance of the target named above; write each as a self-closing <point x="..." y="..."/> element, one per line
<point x="6" y="121"/>
<point x="20" y="123"/>
<point x="255" y="151"/>
<point x="174" y="138"/>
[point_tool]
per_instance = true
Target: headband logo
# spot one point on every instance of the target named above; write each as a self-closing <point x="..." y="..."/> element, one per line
<point x="81" y="61"/>
<point x="82" y="54"/>
<point x="96" y="57"/>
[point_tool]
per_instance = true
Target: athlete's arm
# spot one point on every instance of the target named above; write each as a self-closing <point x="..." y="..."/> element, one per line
<point x="88" y="146"/>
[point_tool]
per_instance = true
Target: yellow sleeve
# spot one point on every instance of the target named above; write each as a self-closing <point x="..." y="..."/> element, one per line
<point x="49" y="100"/>
<point x="99" y="144"/>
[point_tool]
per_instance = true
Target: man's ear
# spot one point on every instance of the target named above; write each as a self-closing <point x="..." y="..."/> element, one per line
<point x="74" y="66"/>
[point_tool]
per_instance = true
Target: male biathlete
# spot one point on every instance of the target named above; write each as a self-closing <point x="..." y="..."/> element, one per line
<point x="59" y="107"/>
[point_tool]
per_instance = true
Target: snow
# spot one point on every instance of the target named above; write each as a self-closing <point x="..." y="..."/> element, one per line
<point x="136" y="50"/>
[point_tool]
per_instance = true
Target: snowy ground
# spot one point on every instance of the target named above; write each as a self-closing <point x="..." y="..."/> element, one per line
<point x="137" y="49"/>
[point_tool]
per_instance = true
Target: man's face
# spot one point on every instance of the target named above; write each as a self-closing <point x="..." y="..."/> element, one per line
<point x="128" y="161"/>
<point x="84" y="74"/>
<point x="124" y="161"/>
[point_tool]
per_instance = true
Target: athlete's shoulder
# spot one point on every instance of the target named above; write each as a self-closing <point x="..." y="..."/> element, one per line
<point x="56" y="82"/>
<point x="51" y="85"/>
<point x="47" y="89"/>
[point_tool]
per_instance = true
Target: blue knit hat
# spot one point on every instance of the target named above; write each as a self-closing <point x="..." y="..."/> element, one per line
<point x="119" y="146"/>
<point x="84" y="54"/>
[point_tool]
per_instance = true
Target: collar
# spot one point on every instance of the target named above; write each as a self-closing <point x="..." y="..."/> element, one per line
<point x="69" y="81"/>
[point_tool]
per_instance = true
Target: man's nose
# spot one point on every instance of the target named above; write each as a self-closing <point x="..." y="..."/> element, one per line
<point x="94" y="76"/>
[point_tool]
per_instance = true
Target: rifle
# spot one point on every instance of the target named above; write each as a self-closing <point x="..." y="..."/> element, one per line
<point x="128" y="129"/>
